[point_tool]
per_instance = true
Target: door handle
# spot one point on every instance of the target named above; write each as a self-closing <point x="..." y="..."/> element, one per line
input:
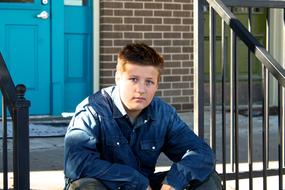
<point x="43" y="15"/>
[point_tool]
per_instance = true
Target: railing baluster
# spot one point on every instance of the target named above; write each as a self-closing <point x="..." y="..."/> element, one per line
<point x="281" y="122"/>
<point x="232" y="98"/>
<point x="234" y="105"/>
<point x="280" y="136"/>
<point x="212" y="79"/>
<point x="283" y="98"/>
<point x="198" y="69"/>
<point x="5" y="144"/>
<point x="268" y="78"/>
<point x="265" y="127"/>
<point x="224" y="135"/>
<point x="265" y="121"/>
<point x="250" y="136"/>
<point x="236" y="116"/>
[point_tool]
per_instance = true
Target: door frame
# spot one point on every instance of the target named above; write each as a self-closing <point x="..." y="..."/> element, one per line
<point x="96" y="45"/>
<point x="57" y="56"/>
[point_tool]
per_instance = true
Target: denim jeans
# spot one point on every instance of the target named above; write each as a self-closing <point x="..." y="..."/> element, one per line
<point x="213" y="182"/>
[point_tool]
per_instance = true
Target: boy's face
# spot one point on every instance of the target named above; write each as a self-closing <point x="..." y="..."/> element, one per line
<point x="137" y="86"/>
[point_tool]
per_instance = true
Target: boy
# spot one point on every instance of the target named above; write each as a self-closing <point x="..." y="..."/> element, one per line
<point x="117" y="134"/>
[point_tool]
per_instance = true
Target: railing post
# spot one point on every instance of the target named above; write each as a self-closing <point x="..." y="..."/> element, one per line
<point x="21" y="140"/>
<point x="198" y="68"/>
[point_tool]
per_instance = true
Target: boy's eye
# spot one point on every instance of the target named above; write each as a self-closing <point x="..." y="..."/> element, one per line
<point x="149" y="82"/>
<point x="134" y="79"/>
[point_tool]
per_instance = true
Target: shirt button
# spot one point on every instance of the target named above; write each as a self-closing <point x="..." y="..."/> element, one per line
<point x="153" y="148"/>
<point x="145" y="121"/>
<point x="119" y="187"/>
<point x="118" y="143"/>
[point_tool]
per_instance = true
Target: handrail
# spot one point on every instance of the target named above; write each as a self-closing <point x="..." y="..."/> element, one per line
<point x="242" y="32"/>
<point x="255" y="3"/>
<point x="18" y="105"/>
<point x="7" y="86"/>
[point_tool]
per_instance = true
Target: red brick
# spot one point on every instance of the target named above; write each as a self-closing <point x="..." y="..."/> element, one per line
<point x="123" y="27"/>
<point x="172" y="6"/>
<point x="122" y="42"/>
<point x="171" y="78"/>
<point x="133" y="5"/>
<point x="181" y="13"/>
<point x="180" y="85"/>
<point x="182" y="71"/>
<point x="172" y="92"/>
<point x="111" y="4"/>
<point x="143" y="13"/>
<point x="181" y="42"/>
<point x="111" y="20"/>
<point x="163" y="13"/>
<point x="162" y="42"/>
<point x="180" y="57"/>
<point x="106" y="12"/>
<point x="171" y="20"/>
<point x="143" y="27"/>
<point x="132" y="20"/>
<point x="181" y="28"/>
<point x="171" y="35"/>
<point x="133" y="35"/>
<point x="152" y="20"/>
<point x="162" y="28"/>
<point x="180" y="99"/>
<point x="153" y="6"/>
<point x="172" y="49"/>
<point x="123" y="12"/>
<point x="111" y="35"/>
<point x="152" y="35"/>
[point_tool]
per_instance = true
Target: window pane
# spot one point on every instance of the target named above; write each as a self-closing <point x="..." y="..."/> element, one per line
<point x="16" y="1"/>
<point x="75" y="2"/>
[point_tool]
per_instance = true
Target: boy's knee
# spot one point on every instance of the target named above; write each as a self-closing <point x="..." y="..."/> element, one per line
<point x="86" y="184"/>
<point x="213" y="182"/>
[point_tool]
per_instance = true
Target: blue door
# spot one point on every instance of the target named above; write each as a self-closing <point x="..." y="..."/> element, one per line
<point x="25" y="45"/>
<point x="77" y="52"/>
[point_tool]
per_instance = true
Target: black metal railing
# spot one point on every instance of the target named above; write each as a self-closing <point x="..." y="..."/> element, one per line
<point x="13" y="99"/>
<point x="270" y="67"/>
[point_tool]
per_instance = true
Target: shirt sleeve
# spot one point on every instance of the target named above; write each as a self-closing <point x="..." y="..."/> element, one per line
<point x="82" y="158"/>
<point x="193" y="158"/>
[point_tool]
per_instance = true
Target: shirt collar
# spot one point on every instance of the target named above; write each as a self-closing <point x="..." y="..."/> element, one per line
<point x="118" y="109"/>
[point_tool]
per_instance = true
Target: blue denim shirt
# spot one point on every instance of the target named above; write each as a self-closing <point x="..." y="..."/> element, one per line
<point x="102" y="143"/>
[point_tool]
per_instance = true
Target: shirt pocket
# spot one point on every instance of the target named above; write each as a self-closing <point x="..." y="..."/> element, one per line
<point x="149" y="151"/>
<point x="118" y="150"/>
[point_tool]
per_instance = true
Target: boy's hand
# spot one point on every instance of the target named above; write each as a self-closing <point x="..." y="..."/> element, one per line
<point x="167" y="187"/>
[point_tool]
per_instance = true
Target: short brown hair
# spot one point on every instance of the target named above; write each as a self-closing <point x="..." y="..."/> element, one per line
<point x="140" y="54"/>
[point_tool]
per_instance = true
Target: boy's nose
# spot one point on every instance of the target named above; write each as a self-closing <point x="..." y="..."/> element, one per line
<point x="141" y="88"/>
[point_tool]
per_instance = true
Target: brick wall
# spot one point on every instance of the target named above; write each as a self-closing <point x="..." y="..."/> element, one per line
<point x="166" y="25"/>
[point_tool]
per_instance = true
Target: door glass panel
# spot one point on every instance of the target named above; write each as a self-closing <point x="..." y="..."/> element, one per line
<point x="16" y="1"/>
<point x="75" y="2"/>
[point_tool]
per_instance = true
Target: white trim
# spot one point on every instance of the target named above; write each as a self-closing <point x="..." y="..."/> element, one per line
<point x="276" y="48"/>
<point x="96" y="45"/>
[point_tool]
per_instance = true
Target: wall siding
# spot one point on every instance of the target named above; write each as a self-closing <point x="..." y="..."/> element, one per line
<point x="166" y="25"/>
